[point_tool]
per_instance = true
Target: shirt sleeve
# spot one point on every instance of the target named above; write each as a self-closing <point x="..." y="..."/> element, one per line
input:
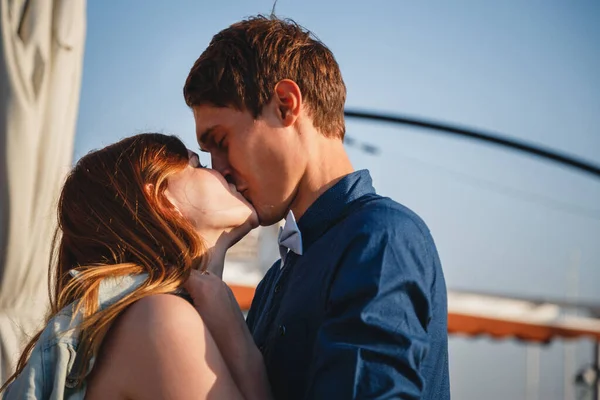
<point x="374" y="338"/>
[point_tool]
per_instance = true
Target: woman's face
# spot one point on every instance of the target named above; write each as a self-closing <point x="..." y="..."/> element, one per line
<point x="212" y="205"/>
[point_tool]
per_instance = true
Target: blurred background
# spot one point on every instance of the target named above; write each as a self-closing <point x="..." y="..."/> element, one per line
<point x="504" y="222"/>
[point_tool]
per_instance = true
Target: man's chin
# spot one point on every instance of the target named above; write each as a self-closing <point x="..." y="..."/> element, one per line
<point x="268" y="218"/>
<point x="254" y="221"/>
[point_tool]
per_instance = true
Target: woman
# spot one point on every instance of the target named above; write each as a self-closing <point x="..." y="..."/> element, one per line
<point x="141" y="223"/>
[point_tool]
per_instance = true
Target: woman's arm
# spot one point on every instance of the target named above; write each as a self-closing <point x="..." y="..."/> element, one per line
<point x="161" y="349"/>
<point x="221" y="313"/>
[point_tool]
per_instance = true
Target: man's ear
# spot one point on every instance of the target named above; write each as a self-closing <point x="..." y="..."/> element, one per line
<point x="287" y="100"/>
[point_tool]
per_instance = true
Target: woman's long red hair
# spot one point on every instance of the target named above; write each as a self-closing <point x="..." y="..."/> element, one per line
<point x="114" y="220"/>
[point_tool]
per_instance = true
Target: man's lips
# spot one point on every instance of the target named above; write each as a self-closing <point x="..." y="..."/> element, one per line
<point x="244" y="193"/>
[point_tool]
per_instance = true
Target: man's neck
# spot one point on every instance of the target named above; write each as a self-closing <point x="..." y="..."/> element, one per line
<point x="327" y="164"/>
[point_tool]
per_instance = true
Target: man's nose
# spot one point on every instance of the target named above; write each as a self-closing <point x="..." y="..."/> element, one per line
<point x="221" y="165"/>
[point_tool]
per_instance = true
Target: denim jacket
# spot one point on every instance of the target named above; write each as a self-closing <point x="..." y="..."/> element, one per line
<point x="54" y="364"/>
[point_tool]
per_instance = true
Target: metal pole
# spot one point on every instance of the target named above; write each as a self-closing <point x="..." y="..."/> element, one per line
<point x="531" y="149"/>
<point x="532" y="387"/>
<point x="596" y="385"/>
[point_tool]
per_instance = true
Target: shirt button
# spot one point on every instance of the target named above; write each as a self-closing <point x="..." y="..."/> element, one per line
<point x="277" y="288"/>
<point x="71" y="383"/>
<point x="281" y="330"/>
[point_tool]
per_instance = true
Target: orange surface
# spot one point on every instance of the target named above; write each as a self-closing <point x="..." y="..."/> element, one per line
<point x="243" y="295"/>
<point x="502" y="329"/>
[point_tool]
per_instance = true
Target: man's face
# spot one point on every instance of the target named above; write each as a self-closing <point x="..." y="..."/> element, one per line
<point x="261" y="157"/>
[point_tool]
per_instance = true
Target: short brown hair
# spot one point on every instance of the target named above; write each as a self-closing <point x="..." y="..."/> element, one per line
<point x="244" y="62"/>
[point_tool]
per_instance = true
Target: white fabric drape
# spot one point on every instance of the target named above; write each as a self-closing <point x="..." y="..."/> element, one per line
<point x="41" y="50"/>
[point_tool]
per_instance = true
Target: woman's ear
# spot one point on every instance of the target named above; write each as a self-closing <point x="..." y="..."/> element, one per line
<point x="171" y="203"/>
<point x="165" y="206"/>
<point x="149" y="189"/>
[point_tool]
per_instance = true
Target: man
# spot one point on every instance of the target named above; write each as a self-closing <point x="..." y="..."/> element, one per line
<point x="356" y="307"/>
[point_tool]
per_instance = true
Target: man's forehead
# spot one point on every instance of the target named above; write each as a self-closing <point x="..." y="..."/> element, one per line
<point x="208" y="115"/>
<point x="204" y="125"/>
<point x="209" y="112"/>
<point x="209" y="119"/>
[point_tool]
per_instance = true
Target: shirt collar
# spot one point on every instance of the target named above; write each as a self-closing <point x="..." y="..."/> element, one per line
<point x="290" y="237"/>
<point x="332" y="205"/>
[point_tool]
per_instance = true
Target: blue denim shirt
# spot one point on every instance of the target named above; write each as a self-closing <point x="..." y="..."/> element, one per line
<point x="362" y="313"/>
<point x="54" y="365"/>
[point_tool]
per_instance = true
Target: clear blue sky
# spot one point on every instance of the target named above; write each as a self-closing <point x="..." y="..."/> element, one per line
<point x="503" y="222"/>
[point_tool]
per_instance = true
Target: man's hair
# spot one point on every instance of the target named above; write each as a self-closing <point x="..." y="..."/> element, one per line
<point x="244" y="62"/>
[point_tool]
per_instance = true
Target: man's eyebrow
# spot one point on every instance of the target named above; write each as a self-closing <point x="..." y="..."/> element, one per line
<point x="202" y="137"/>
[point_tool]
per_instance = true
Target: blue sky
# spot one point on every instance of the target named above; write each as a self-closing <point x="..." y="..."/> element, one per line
<point x="502" y="221"/>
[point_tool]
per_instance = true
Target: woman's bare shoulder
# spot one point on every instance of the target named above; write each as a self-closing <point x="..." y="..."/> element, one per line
<point x="161" y="314"/>
<point x="159" y="343"/>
